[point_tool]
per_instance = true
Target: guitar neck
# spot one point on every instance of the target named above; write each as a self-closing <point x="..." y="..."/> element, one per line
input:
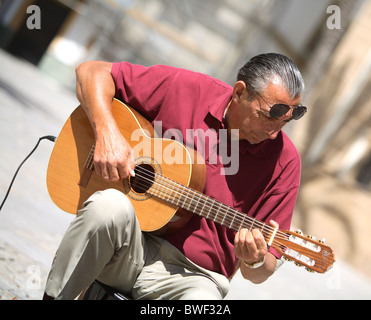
<point x="202" y="205"/>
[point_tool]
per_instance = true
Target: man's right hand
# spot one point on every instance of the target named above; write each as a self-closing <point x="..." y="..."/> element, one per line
<point x="113" y="156"/>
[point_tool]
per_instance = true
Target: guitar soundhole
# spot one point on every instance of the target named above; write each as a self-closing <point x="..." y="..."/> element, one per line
<point x="144" y="178"/>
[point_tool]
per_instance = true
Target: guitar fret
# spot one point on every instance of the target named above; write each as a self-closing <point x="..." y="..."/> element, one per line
<point x="177" y="203"/>
<point x="189" y="201"/>
<point x="242" y="221"/>
<point x="217" y="213"/>
<point x="194" y="202"/>
<point x="155" y="190"/>
<point x="233" y="216"/>
<point x="195" y="208"/>
<point x="182" y="198"/>
<point x="186" y="199"/>
<point x="167" y="194"/>
<point x="252" y="224"/>
<point x="207" y="216"/>
<point x="160" y="189"/>
<point x="200" y="212"/>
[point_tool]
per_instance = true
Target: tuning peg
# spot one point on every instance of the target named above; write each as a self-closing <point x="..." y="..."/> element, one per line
<point x="298" y="264"/>
<point x="311" y="237"/>
<point x="287" y="259"/>
<point x="299" y="231"/>
<point x="308" y="269"/>
<point x="322" y="240"/>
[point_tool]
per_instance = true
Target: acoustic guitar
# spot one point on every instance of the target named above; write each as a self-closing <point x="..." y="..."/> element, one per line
<point x="167" y="187"/>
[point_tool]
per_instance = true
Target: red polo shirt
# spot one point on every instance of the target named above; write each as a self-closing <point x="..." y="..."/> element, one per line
<point x="266" y="183"/>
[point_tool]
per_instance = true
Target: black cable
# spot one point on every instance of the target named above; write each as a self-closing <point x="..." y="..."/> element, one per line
<point x="50" y="138"/>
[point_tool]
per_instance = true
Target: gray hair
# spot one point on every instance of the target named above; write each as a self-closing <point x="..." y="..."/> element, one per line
<point x="260" y="70"/>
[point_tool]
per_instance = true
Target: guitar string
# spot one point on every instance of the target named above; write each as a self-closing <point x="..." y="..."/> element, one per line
<point x="241" y="218"/>
<point x="208" y="205"/>
<point x="276" y="243"/>
<point x="152" y="179"/>
<point x="279" y="235"/>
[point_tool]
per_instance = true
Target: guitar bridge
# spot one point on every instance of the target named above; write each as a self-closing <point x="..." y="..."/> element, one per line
<point x="85" y="177"/>
<point x="88" y="169"/>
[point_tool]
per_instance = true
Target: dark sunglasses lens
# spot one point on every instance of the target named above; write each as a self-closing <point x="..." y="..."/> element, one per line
<point x="298" y="112"/>
<point x="278" y="110"/>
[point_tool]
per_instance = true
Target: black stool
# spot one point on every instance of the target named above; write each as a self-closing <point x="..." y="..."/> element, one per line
<point x="100" y="291"/>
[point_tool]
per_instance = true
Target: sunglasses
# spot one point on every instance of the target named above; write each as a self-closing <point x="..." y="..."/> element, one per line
<point x="278" y="110"/>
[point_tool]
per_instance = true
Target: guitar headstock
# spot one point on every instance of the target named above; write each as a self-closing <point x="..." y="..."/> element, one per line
<point x="305" y="251"/>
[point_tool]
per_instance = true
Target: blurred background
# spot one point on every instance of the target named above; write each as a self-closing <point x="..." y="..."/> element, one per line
<point x="42" y="41"/>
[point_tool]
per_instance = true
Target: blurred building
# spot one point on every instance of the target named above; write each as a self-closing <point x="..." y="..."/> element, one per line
<point x="211" y="36"/>
<point x="217" y="37"/>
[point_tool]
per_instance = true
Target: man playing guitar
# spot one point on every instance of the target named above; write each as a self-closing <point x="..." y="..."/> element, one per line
<point x="197" y="261"/>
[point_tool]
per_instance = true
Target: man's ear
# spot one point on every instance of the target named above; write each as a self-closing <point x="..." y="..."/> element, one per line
<point x="239" y="91"/>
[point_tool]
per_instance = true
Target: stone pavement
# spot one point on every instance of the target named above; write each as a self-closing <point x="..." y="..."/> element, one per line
<point x="31" y="226"/>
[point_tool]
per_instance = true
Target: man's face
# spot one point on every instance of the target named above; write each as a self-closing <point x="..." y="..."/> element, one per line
<point x="254" y="121"/>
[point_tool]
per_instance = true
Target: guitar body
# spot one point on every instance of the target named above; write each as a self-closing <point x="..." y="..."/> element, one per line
<point x="71" y="178"/>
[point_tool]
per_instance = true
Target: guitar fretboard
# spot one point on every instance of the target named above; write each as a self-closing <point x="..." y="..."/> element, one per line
<point x="198" y="203"/>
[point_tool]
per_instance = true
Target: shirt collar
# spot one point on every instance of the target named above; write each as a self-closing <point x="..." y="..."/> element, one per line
<point x="217" y="108"/>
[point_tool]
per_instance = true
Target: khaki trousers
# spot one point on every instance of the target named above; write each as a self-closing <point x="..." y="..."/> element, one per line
<point x="105" y="242"/>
